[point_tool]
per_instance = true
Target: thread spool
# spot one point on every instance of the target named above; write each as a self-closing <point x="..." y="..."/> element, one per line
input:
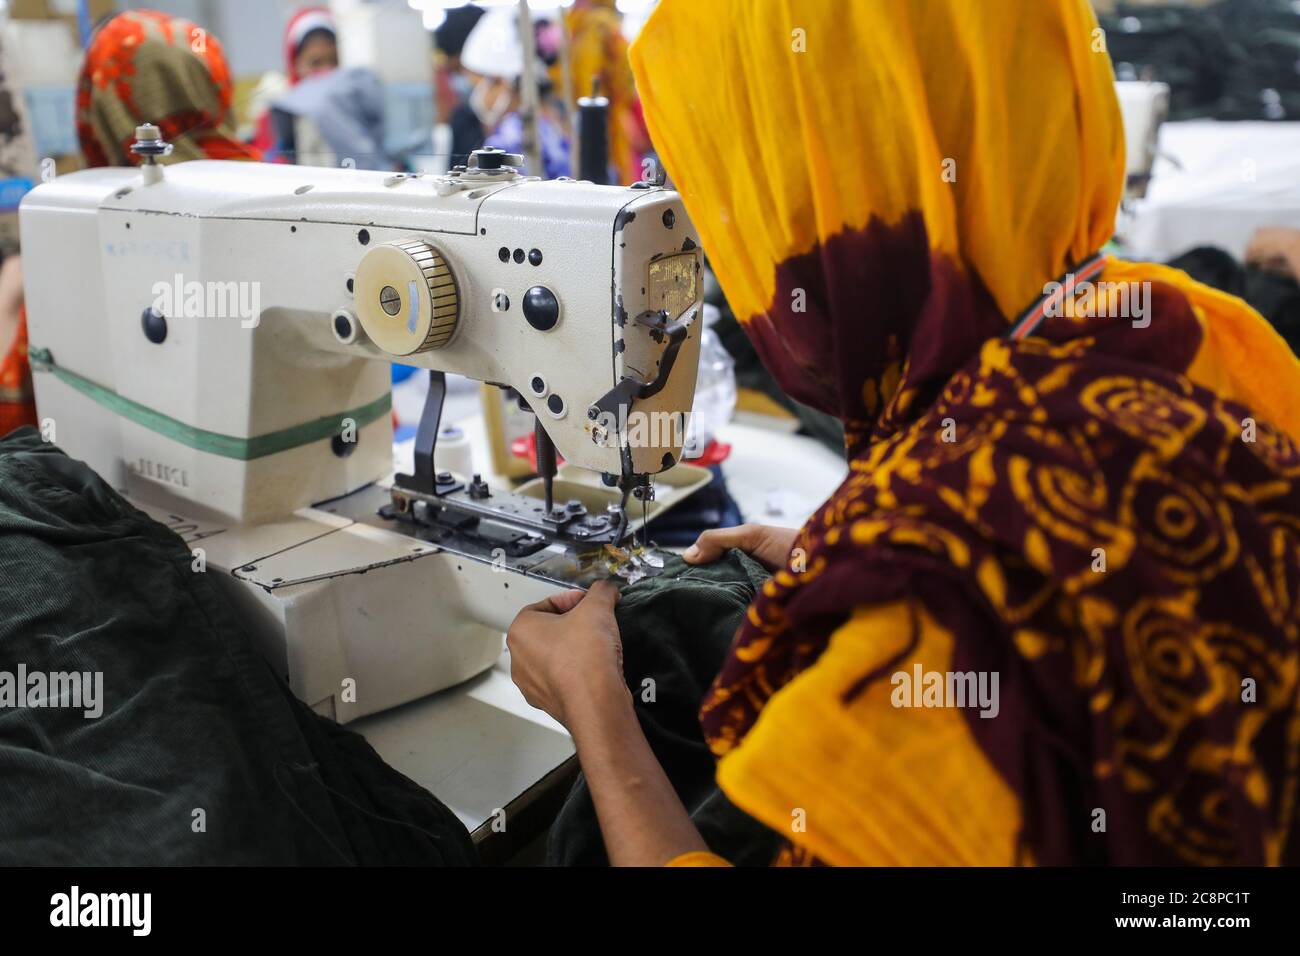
<point x="593" y="139"/>
<point x="452" y="453"/>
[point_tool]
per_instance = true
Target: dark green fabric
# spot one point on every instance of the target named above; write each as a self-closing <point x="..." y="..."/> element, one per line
<point x="192" y="718"/>
<point x="676" y="630"/>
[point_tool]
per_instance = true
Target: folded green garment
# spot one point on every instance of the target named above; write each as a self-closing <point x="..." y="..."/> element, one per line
<point x="190" y="751"/>
<point x="676" y="629"/>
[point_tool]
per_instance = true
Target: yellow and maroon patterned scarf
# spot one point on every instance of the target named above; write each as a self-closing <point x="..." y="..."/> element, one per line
<point x="1106" y="513"/>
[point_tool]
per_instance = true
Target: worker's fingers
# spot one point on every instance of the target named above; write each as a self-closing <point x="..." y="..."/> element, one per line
<point x="712" y="544"/>
<point x="566" y="601"/>
<point x="603" y="595"/>
<point x="561" y="603"/>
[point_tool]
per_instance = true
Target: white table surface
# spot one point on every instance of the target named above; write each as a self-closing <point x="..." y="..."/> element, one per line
<point x="1214" y="184"/>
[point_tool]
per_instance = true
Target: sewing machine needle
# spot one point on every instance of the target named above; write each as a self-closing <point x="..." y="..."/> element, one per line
<point x="545" y="463"/>
<point x="622" y="518"/>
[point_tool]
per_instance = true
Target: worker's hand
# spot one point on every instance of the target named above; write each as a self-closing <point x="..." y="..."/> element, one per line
<point x="767" y="545"/>
<point x="565" y="650"/>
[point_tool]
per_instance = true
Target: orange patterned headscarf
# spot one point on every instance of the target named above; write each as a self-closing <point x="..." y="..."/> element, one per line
<point x="148" y="67"/>
<point x="1105" y="513"/>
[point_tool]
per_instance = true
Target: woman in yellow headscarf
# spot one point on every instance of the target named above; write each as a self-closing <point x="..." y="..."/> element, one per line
<point x="1053" y="613"/>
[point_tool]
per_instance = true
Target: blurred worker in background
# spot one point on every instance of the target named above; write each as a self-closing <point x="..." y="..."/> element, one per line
<point x="311" y="43"/>
<point x="17" y="164"/>
<point x="462" y="131"/>
<point x="328" y="116"/>
<point x="17" y="399"/>
<point x="334" y="118"/>
<point x="140" y="67"/>
<point x="598" y="53"/>
<point x="310" y="48"/>
<point x="494" y="55"/>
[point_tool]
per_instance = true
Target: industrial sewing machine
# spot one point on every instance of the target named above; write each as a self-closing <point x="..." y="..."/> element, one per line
<point x="1145" y="107"/>
<point x="215" y="338"/>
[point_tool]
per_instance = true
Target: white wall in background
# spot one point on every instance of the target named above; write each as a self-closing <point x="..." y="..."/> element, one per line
<point x="385" y="35"/>
<point x="388" y="36"/>
<point x="250" y="31"/>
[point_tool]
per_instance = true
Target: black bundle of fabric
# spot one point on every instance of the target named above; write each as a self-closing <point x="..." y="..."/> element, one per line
<point x="1231" y="60"/>
<point x="138" y="725"/>
<point x="1275" y="297"/>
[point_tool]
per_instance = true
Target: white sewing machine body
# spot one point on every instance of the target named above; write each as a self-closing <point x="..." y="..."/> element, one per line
<point x="263" y="433"/>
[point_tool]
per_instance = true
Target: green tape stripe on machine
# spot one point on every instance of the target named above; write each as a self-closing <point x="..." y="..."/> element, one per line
<point x="214" y="443"/>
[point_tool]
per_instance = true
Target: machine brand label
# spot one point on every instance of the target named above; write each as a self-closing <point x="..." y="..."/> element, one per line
<point x="160" y="471"/>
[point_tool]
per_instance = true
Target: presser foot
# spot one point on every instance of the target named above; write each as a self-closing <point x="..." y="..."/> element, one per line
<point x="567" y="545"/>
<point x="634" y="562"/>
<point x="569" y="522"/>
